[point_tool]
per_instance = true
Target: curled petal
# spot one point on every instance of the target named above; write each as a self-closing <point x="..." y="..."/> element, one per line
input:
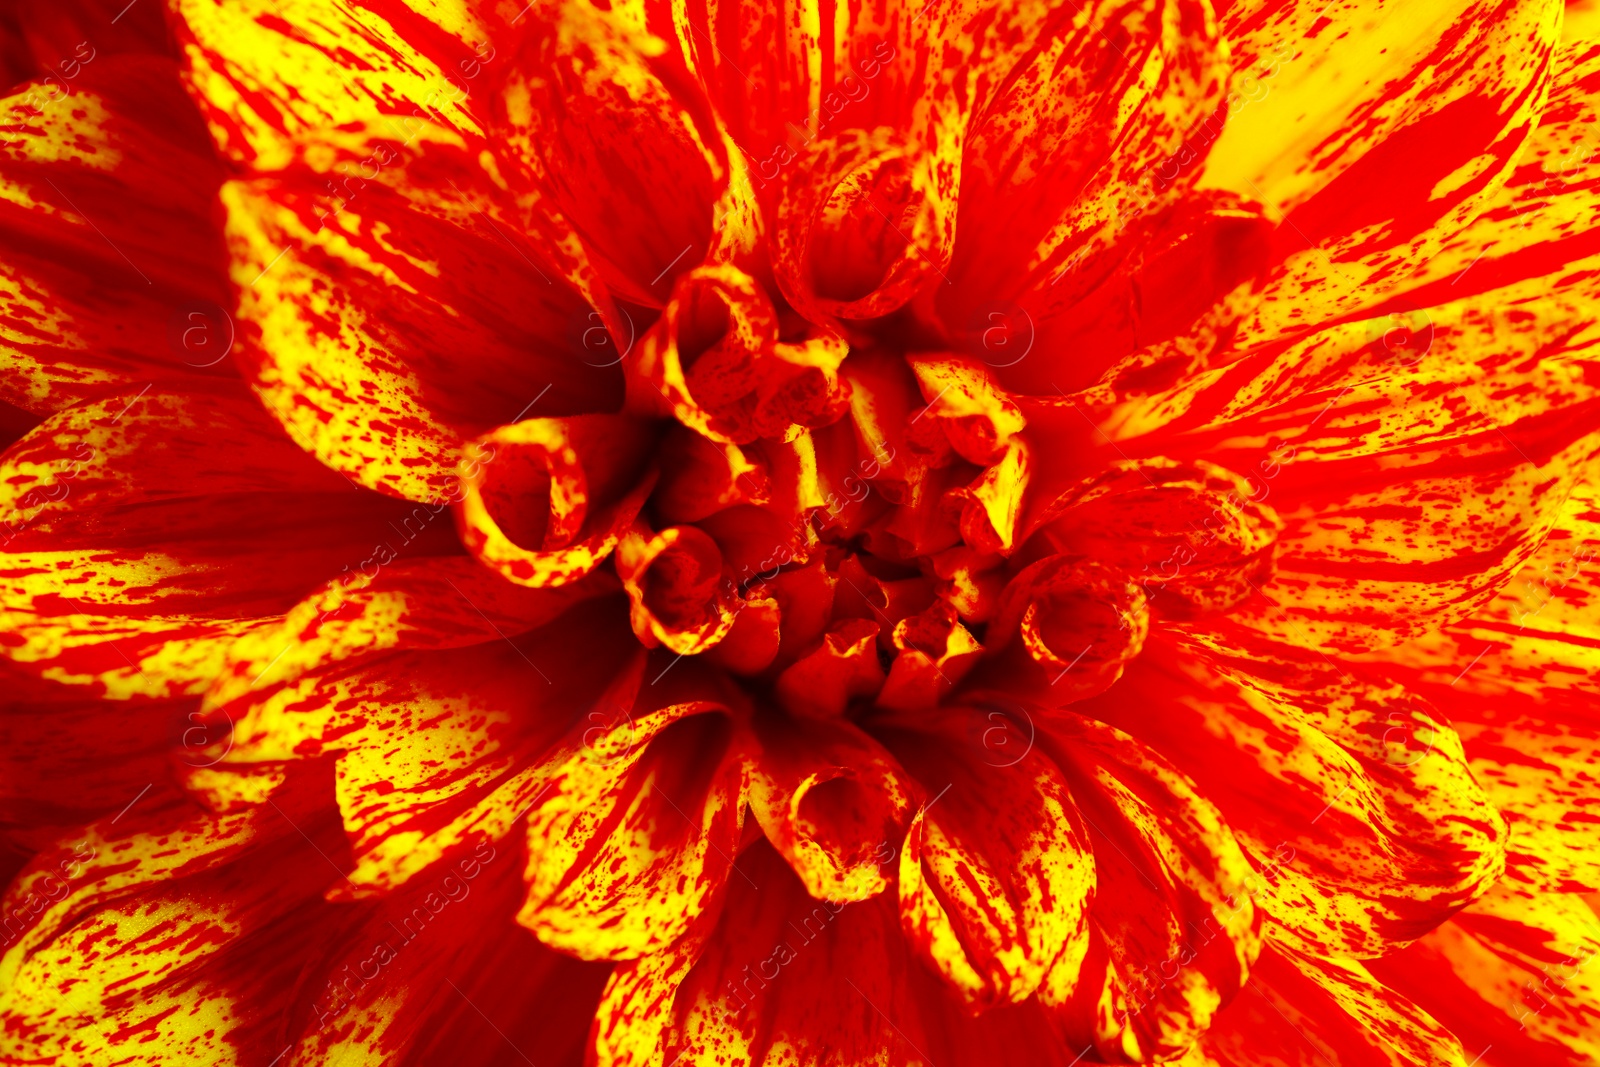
<point x="546" y="500"/>
<point x="974" y="411"/>
<point x="861" y="227"/>
<point x="1194" y="536"/>
<point x="676" y="585"/>
<point x="831" y="800"/>
<point x="970" y="581"/>
<point x="844" y="667"/>
<point x="935" y="653"/>
<point x="1064" y="630"/>
<point x="715" y="358"/>
<point x="992" y="506"/>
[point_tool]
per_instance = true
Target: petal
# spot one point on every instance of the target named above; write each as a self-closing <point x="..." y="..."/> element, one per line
<point x="136" y="947"/>
<point x="788" y="979"/>
<point x="1064" y="629"/>
<point x="860" y="226"/>
<point x="551" y="498"/>
<point x="1334" y="142"/>
<point x="67" y="758"/>
<point x="1510" y="975"/>
<point x="970" y="406"/>
<point x="589" y="103"/>
<point x="935" y="653"/>
<point x="129" y="517"/>
<point x="1119" y="85"/>
<point x="1516" y="679"/>
<point x="1302" y="1010"/>
<point x="264" y="77"/>
<point x="54" y="33"/>
<point x="1538" y="225"/>
<point x="1144" y="518"/>
<point x="715" y="359"/>
<point x="636" y="835"/>
<point x="842" y="668"/>
<point x="442" y="727"/>
<point x="828" y="797"/>
<point x="677" y="589"/>
<point x="1419" y="476"/>
<point x="995" y="874"/>
<point x="1173" y="932"/>
<point x="114" y="272"/>
<point x="357" y="297"/>
<point x="1351" y="795"/>
<point x="416" y="977"/>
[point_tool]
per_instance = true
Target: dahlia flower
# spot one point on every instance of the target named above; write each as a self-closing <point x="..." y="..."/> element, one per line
<point x="739" y="533"/>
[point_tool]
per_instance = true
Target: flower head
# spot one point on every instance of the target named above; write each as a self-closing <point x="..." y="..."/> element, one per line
<point x="664" y="534"/>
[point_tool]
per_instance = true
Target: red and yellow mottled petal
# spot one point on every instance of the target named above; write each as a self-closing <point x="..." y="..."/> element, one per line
<point x="136" y="947"/>
<point x="265" y="75"/>
<point x="1351" y="795"/>
<point x="589" y="102"/>
<point x="355" y="302"/>
<point x="1373" y="160"/>
<point x="1300" y="1011"/>
<point x="996" y="875"/>
<point x="1416" y="470"/>
<point x="114" y="273"/>
<point x="831" y="800"/>
<point x="784" y="978"/>
<point x="1172" y="932"/>
<point x="1120" y="84"/>
<point x="637" y="834"/>
<point x="126" y="521"/>
<point x="1512" y="976"/>
<point x="549" y="499"/>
